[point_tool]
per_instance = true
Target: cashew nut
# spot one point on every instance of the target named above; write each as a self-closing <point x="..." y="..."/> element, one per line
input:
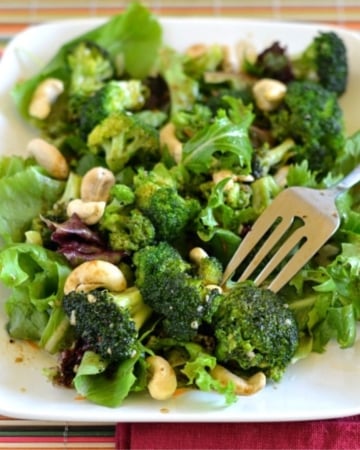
<point x="268" y="93"/>
<point x="162" y="383"/>
<point x="281" y="176"/>
<point x="196" y="50"/>
<point x="44" y="96"/>
<point x="199" y="50"/>
<point x="246" y="52"/>
<point x="213" y="287"/>
<point x="169" y="139"/>
<point x="49" y="157"/>
<point x="197" y="254"/>
<point x="225" y="173"/>
<point x="96" y="184"/>
<point x="94" y="274"/>
<point x="242" y="386"/>
<point x="221" y="175"/>
<point x="89" y="212"/>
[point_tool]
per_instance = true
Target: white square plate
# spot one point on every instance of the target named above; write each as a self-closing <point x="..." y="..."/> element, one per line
<point x="322" y="386"/>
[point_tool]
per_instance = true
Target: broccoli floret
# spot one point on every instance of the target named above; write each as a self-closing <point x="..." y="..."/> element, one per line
<point x="227" y="199"/>
<point x="312" y="117"/>
<point x="167" y="285"/>
<point x="128" y="231"/>
<point x="122" y="194"/>
<point x="120" y="137"/>
<point x="158" y="258"/>
<point x="112" y="97"/>
<point x="265" y="159"/>
<point x="169" y="212"/>
<point x="188" y="123"/>
<point x="255" y="330"/>
<point x="210" y="270"/>
<point x="126" y="227"/>
<point x="90" y="66"/>
<point x="264" y="190"/>
<point x="108" y="322"/>
<point x="325" y="60"/>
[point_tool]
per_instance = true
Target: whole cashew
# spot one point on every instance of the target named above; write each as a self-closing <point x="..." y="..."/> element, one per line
<point x="221" y="175"/>
<point x="168" y="138"/>
<point x="268" y="93"/>
<point x="44" y="96"/>
<point x="197" y="254"/>
<point x="163" y="383"/>
<point x="89" y="212"/>
<point x="225" y="173"/>
<point x="94" y="274"/>
<point x="213" y="287"/>
<point x="242" y="386"/>
<point x="96" y="184"/>
<point x="49" y="157"/>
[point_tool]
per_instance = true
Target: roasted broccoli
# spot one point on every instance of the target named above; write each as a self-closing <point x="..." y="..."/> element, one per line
<point x="169" y="212"/>
<point x="125" y="226"/>
<point x="112" y="97"/>
<point x="90" y="66"/>
<point x="108" y="322"/>
<point x="189" y="122"/>
<point x="168" y="286"/>
<point x="120" y="137"/>
<point x="325" y="60"/>
<point x="312" y="117"/>
<point x="127" y="230"/>
<point x="254" y="330"/>
<point x="266" y="159"/>
<point x="210" y="270"/>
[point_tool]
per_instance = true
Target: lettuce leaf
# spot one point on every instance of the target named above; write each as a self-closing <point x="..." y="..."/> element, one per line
<point x="24" y="194"/>
<point x="197" y="370"/>
<point x="94" y="382"/>
<point x="36" y="277"/>
<point x="331" y="310"/>
<point x="225" y="139"/>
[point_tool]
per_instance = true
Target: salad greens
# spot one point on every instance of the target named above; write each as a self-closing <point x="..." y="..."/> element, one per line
<point x="194" y="159"/>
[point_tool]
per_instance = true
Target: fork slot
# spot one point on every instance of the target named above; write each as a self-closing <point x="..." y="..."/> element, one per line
<point x="257" y="232"/>
<point x="262" y="225"/>
<point x="281" y="228"/>
<point x="302" y="256"/>
<point x="293" y="240"/>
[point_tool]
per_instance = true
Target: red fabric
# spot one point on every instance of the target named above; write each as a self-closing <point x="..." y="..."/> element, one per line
<point x="340" y="434"/>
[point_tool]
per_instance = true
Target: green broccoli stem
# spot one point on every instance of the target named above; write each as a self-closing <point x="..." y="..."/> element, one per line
<point x="303" y="303"/>
<point x="131" y="299"/>
<point x="276" y="154"/>
<point x="263" y="191"/>
<point x="71" y="190"/>
<point x="56" y="332"/>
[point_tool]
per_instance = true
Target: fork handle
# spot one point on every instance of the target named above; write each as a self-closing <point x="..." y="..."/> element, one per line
<point x="349" y="181"/>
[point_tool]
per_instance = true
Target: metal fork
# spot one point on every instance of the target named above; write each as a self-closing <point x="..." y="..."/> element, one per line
<point x="314" y="209"/>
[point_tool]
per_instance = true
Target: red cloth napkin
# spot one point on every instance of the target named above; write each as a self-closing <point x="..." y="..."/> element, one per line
<point x="339" y="434"/>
